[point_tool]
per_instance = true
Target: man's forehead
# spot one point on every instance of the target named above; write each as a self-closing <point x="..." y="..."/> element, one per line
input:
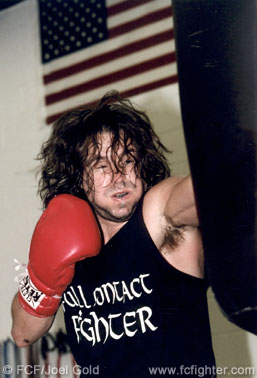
<point x="106" y="143"/>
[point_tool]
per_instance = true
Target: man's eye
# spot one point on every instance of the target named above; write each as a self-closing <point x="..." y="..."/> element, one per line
<point x="102" y="166"/>
<point x="129" y="161"/>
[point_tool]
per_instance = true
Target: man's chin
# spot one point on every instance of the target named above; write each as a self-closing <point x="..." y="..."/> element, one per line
<point x="112" y="217"/>
<point x="126" y="217"/>
<point x="116" y="218"/>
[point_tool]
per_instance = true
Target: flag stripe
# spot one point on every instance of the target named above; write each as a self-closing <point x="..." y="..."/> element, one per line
<point x="138" y="23"/>
<point x="108" y="56"/>
<point x="128" y="93"/>
<point x="122" y="85"/>
<point x="111" y="78"/>
<point x="124" y="6"/>
<point x="133" y="14"/>
<point x="109" y="67"/>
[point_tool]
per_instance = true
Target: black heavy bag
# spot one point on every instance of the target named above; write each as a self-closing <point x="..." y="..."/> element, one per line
<point x="216" y="49"/>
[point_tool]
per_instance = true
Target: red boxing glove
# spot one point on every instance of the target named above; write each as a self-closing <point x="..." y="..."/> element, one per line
<point x="66" y="232"/>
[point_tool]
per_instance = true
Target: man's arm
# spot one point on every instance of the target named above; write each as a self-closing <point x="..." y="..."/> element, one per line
<point x="180" y="206"/>
<point x="171" y="218"/>
<point x="66" y="232"/>
<point x="172" y="200"/>
<point x="26" y="328"/>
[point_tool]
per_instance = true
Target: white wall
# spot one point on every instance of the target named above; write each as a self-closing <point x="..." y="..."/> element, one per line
<point x="22" y="131"/>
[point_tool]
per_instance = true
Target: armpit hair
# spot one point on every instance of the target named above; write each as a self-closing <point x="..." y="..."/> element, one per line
<point x="174" y="235"/>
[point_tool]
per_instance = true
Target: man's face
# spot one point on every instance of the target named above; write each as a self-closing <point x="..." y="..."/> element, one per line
<point x="114" y="195"/>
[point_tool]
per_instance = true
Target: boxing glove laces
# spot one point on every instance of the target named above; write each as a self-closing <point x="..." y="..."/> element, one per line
<point x="66" y="232"/>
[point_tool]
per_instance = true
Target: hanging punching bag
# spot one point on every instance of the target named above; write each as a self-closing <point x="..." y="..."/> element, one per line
<point x="216" y="48"/>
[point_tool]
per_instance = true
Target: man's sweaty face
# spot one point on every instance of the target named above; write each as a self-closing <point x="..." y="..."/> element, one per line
<point x="115" y="194"/>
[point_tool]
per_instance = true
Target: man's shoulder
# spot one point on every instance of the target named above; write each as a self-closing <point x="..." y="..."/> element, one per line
<point x="156" y="204"/>
<point x="153" y="208"/>
<point x="156" y="198"/>
<point x="180" y="244"/>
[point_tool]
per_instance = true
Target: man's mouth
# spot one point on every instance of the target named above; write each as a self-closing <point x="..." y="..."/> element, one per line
<point x="120" y="195"/>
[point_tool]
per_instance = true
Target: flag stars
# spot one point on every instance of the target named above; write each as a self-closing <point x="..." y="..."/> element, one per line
<point x="68" y="26"/>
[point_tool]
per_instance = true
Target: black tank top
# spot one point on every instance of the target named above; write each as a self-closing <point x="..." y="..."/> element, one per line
<point x="129" y="313"/>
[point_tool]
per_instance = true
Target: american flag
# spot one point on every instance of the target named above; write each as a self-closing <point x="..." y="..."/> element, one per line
<point x="91" y="46"/>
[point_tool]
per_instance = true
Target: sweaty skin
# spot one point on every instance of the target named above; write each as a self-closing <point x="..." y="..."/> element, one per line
<point x="115" y="194"/>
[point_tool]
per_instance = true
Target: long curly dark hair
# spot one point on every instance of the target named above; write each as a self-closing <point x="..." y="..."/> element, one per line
<point x="65" y="155"/>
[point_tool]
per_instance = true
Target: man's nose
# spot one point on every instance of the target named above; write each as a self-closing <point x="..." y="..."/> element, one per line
<point x="119" y="174"/>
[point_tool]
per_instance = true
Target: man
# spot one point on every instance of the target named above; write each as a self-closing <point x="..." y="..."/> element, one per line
<point x="140" y="303"/>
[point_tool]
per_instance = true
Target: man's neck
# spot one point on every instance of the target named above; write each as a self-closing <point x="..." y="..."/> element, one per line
<point x="109" y="228"/>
